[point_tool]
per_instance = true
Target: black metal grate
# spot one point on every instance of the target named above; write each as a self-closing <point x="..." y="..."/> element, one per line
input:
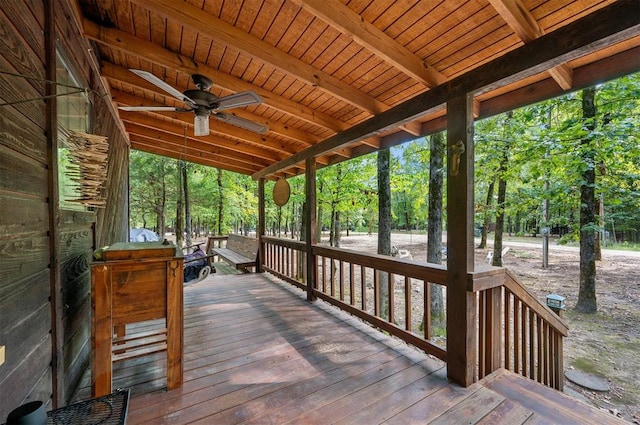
<point x="110" y="409"/>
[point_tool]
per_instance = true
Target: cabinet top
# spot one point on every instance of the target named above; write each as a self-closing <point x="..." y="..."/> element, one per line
<point x="134" y="250"/>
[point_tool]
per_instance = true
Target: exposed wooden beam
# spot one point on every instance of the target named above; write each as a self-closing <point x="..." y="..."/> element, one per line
<point x="153" y="53"/>
<point x="179" y="144"/>
<point x="216" y="126"/>
<point x="523" y="23"/>
<point x="196" y="19"/>
<point x="149" y="145"/>
<point x="609" y="68"/>
<point x="610" y="25"/>
<point x="413" y="127"/>
<point x="149" y="125"/>
<point x="371" y="38"/>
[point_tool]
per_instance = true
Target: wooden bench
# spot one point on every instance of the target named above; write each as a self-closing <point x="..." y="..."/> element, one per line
<point x="240" y="251"/>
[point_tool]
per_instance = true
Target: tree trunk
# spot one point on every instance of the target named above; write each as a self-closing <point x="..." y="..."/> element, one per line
<point x="502" y="194"/>
<point x="384" y="224"/>
<point x="161" y="210"/>
<point x="188" y="228"/>
<point x="486" y="221"/>
<point x="220" y="202"/>
<point x="497" y="242"/>
<point x="434" y="224"/>
<point x="588" y="223"/>
<point x="319" y="214"/>
<point x="179" y="209"/>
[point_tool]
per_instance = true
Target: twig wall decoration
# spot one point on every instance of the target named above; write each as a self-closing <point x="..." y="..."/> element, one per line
<point x="88" y="155"/>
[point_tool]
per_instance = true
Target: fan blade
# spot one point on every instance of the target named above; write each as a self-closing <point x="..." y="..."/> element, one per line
<point x="236" y="100"/>
<point x="164" y="86"/>
<point x="151" y="108"/>
<point x="242" y="123"/>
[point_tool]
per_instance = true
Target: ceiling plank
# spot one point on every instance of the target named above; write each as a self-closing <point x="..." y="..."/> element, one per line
<point x="523" y="23"/>
<point x="150" y="146"/>
<point x="197" y="20"/>
<point x="179" y="143"/>
<point x="157" y="128"/>
<point x="371" y="38"/>
<point x="153" y="53"/>
<point x="614" y="23"/>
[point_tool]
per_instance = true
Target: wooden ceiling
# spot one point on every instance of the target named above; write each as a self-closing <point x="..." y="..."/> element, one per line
<point x="341" y="78"/>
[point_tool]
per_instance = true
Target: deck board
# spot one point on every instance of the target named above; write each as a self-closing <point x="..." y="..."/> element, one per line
<point x="257" y="352"/>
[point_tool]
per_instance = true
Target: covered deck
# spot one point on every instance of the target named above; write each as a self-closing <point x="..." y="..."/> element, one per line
<point x="257" y="352"/>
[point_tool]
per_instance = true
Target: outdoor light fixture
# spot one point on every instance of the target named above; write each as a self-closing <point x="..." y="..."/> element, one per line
<point x="556" y="302"/>
<point x="201" y="125"/>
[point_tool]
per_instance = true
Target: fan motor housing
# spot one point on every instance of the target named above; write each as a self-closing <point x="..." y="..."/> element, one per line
<point x="202" y="98"/>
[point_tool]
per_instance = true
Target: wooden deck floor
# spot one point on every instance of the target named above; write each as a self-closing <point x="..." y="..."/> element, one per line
<point x="257" y="352"/>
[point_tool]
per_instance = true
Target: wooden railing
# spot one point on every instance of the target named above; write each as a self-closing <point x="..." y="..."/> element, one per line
<point x="528" y="332"/>
<point x="514" y="329"/>
<point x="285" y="258"/>
<point x="353" y="282"/>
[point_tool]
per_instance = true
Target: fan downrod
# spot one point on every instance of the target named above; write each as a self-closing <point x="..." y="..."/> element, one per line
<point x="202" y="82"/>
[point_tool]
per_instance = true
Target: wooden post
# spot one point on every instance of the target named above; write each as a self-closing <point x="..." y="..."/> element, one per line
<point x="461" y="304"/>
<point x="101" y="330"/>
<point x="310" y="225"/>
<point x="55" y="284"/>
<point x="175" y="328"/>
<point x="261" y="225"/>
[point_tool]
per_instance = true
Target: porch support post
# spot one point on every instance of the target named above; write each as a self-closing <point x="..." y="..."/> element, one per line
<point x="461" y="304"/>
<point x="310" y="225"/>
<point x="51" y="129"/>
<point x="261" y="226"/>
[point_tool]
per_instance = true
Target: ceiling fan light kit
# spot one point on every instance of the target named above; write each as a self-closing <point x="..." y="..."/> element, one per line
<point x="201" y="125"/>
<point x="203" y="103"/>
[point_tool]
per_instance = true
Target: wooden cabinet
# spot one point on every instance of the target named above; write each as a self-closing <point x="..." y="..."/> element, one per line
<point x="130" y="283"/>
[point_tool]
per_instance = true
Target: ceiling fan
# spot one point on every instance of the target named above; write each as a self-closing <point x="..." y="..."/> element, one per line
<point x="203" y="103"/>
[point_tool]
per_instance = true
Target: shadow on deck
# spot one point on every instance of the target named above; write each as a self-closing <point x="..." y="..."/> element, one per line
<point x="257" y="352"/>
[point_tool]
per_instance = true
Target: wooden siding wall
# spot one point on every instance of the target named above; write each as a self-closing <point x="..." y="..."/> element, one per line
<point x="26" y="318"/>
<point x="25" y="313"/>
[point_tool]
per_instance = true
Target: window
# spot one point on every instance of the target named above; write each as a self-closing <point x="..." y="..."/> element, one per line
<point x="73" y="112"/>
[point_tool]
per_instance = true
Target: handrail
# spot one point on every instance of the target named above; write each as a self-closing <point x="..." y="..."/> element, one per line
<point x="518" y="332"/>
<point x="541" y="309"/>
<point x="433" y="273"/>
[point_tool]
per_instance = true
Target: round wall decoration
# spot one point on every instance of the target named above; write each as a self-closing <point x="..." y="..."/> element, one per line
<point x="281" y="192"/>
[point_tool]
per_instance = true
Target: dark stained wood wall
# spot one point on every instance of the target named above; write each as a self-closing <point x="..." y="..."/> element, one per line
<point x="26" y="258"/>
<point x="25" y="313"/>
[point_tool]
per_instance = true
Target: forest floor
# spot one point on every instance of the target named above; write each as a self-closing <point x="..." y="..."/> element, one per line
<point x="605" y="344"/>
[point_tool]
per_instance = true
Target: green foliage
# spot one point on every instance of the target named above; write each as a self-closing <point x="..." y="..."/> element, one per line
<point x="545" y="161"/>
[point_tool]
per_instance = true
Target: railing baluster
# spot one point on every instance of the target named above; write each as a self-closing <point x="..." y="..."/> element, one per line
<point x="517" y="330"/>
<point x="392" y="297"/>
<point x="407" y="303"/>
<point x="427" y="309"/>
<point x="507" y="330"/>
<point x="545" y="358"/>
<point x="352" y="286"/>
<point x="340" y="263"/>
<point x="482" y="334"/>
<point x="324" y="275"/>
<point x="376" y="293"/>
<point x="532" y="336"/>
<point x="363" y="287"/>
<point x="525" y="369"/>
